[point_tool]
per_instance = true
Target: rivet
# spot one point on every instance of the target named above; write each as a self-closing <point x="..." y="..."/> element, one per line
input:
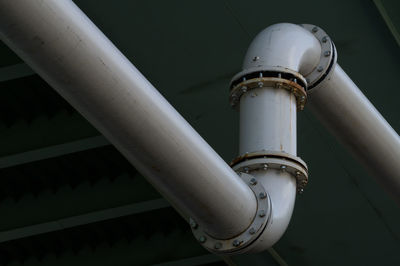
<point x="218" y="245"/>
<point x="192" y="223"/>
<point x="236" y="243"/>
<point x="202" y="239"/>
<point x="253" y="181"/>
<point x="298" y="173"/>
<point x="262" y="195"/>
<point x="260" y="84"/>
<point x="320" y="68"/>
<point x="261" y="213"/>
<point x="327" y="53"/>
<point x="252" y="231"/>
<point x="256" y="58"/>
<point x="265" y="166"/>
<point x="244" y="88"/>
<point x="325" y="39"/>
<point x="315" y="29"/>
<point x="283" y="167"/>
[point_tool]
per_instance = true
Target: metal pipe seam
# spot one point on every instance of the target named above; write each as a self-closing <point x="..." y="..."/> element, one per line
<point x="68" y="51"/>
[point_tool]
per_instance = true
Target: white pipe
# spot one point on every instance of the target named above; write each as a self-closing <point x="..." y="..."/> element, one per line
<point x="283" y="46"/>
<point x="351" y="117"/>
<point x="65" y="48"/>
<point x="281" y="187"/>
<point x="268" y="121"/>
<point x="268" y="116"/>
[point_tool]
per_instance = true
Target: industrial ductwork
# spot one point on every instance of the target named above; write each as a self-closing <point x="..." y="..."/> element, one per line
<point x="237" y="209"/>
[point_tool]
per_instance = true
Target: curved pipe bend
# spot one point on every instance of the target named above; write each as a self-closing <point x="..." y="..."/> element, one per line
<point x="268" y="116"/>
<point x="284" y="47"/>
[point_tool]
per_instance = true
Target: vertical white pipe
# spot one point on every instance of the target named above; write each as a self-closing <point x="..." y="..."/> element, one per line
<point x="351" y="117"/>
<point x="281" y="188"/>
<point x="61" y="44"/>
<point x="268" y="121"/>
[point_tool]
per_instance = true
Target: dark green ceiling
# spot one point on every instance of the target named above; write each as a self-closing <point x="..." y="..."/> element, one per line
<point x="61" y="182"/>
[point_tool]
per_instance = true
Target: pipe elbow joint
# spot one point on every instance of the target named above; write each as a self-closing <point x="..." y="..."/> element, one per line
<point x="304" y="51"/>
<point x="283" y="46"/>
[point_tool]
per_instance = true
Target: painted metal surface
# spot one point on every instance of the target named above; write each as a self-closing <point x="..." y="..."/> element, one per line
<point x="60" y="43"/>
<point x="268" y="114"/>
<point x="352" y="118"/>
<point x="268" y="121"/>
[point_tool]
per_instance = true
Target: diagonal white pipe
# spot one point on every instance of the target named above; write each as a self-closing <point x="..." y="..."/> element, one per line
<point x="65" y="48"/>
<point x="351" y="117"/>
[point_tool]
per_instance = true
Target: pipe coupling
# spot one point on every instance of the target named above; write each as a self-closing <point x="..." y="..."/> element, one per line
<point x="280" y="80"/>
<point x="242" y="242"/>
<point x="282" y="161"/>
<point x="327" y="59"/>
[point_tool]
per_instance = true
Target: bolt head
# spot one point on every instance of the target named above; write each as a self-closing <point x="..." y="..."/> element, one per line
<point x="246" y="170"/>
<point x="218" y="245"/>
<point x="315" y="29"/>
<point x="320" y="68"/>
<point x="236" y="243"/>
<point x="325" y="39"/>
<point x="283" y="167"/>
<point x="253" y="181"/>
<point x="327" y="53"/>
<point x="261" y="213"/>
<point x="265" y="166"/>
<point x="260" y="84"/>
<point x="256" y="58"/>
<point x="244" y="88"/>
<point x="193" y="224"/>
<point x="262" y="195"/>
<point x="202" y="239"/>
<point x="252" y="231"/>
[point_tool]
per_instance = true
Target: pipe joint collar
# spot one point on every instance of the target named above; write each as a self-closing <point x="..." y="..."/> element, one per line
<point x="327" y="59"/>
<point x="242" y="242"/>
<point x="274" y="80"/>
<point x="265" y="160"/>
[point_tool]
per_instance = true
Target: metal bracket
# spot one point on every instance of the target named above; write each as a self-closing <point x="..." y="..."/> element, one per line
<point x="238" y="243"/>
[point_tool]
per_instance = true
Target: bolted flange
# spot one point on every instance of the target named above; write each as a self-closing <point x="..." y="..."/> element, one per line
<point x="239" y="243"/>
<point x="327" y="60"/>
<point x="269" y="82"/>
<point x="264" y="160"/>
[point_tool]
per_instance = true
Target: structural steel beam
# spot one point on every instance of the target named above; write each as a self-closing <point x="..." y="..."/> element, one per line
<point x="52" y="151"/>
